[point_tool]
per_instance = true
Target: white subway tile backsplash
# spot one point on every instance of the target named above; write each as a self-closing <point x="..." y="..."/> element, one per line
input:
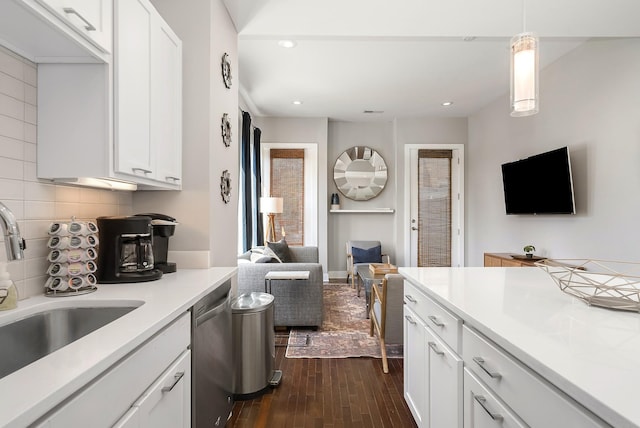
<point x="11" y="107"/>
<point x="12" y="128"/>
<point x="11" y="169"/>
<point x="30" y="73"/>
<point x="11" y="65"/>
<point x="35" y="229"/>
<point x="30" y="133"/>
<point x="11" y="148"/>
<point x="11" y="189"/>
<point x="11" y="86"/>
<point x="67" y="194"/>
<point x="39" y="210"/>
<point x="30" y="152"/>
<point x="30" y="171"/>
<point x="30" y="114"/>
<point x="39" y="192"/>
<point x="36" y="203"/>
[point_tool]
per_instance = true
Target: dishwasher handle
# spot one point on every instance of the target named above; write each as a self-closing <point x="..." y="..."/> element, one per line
<point x="216" y="310"/>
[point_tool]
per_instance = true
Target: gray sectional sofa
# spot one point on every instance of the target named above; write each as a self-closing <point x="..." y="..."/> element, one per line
<point x="296" y="303"/>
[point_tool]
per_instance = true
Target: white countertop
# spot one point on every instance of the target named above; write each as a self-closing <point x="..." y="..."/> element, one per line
<point x="591" y="353"/>
<point x="32" y="391"/>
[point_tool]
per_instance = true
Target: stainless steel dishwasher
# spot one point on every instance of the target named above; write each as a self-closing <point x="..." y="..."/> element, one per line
<point x="211" y="359"/>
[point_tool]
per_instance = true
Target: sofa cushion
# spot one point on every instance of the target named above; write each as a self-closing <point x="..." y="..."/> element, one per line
<point x="368" y="255"/>
<point x="281" y="248"/>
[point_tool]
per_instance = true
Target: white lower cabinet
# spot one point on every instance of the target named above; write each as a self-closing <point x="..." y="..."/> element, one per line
<point x="167" y="403"/>
<point x="483" y="410"/>
<point x="432" y="375"/>
<point x="151" y="387"/>
<point x="415" y="373"/>
<point x="454" y="376"/>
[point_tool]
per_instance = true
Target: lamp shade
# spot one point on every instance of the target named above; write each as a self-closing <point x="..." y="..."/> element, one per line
<point x="524" y="75"/>
<point x="271" y="205"/>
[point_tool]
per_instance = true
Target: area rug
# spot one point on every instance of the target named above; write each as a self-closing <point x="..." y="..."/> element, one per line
<point x="344" y="332"/>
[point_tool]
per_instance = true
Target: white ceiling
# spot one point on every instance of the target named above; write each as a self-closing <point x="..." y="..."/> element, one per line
<point x="402" y="57"/>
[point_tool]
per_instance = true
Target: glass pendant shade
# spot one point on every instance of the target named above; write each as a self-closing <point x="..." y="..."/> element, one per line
<point x="524" y="75"/>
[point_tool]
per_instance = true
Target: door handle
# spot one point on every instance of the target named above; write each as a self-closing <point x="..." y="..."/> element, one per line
<point x="481" y="401"/>
<point x="408" y="318"/>
<point x="87" y="25"/>
<point x="435" y="349"/>
<point x="414" y="228"/>
<point x="176" y="378"/>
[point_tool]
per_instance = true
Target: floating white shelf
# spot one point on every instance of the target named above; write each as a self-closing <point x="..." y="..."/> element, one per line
<point x="369" y="211"/>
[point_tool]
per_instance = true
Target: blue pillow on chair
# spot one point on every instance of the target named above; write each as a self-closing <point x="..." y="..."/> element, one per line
<point x="369" y="255"/>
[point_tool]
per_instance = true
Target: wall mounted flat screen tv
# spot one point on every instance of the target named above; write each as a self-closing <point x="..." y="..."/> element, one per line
<point x="539" y="184"/>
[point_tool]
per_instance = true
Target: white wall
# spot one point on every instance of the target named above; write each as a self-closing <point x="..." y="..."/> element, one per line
<point x="36" y="203"/>
<point x="588" y="102"/>
<point x="207" y="234"/>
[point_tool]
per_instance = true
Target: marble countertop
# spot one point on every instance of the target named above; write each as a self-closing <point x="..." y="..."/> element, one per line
<point x="37" y="388"/>
<point x="590" y="353"/>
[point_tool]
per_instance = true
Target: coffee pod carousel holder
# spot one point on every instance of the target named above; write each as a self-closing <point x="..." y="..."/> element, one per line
<point x="72" y="257"/>
<point x="604" y="283"/>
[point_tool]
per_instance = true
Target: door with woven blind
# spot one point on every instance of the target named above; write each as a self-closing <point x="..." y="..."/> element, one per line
<point x="287" y="182"/>
<point x="436" y="207"/>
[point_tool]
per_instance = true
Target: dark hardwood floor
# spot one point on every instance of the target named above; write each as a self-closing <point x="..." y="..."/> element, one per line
<point x="346" y="392"/>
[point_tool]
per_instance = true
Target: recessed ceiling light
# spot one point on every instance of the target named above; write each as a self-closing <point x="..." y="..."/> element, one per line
<point x="286" y="44"/>
<point x="447" y="103"/>
<point x="296" y="102"/>
<point x="373" y="111"/>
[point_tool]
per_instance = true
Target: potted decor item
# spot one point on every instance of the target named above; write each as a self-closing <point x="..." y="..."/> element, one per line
<point x="335" y="201"/>
<point x="528" y="250"/>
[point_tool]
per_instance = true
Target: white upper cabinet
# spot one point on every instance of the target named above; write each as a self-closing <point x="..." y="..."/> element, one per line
<point x="91" y="18"/>
<point x="58" y="31"/>
<point x="120" y="121"/>
<point x="148" y="94"/>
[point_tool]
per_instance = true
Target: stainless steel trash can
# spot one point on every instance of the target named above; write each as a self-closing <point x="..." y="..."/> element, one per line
<point x="253" y="344"/>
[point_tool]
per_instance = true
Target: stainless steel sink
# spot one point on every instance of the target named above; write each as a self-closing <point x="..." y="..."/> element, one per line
<point x="31" y="338"/>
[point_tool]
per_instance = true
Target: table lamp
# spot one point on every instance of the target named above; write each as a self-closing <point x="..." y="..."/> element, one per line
<point x="271" y="206"/>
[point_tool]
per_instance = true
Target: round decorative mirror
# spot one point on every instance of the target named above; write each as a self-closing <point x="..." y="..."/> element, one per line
<point x="360" y="173"/>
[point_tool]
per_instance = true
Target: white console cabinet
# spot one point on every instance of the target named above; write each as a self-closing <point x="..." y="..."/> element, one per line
<point x="149" y="388"/>
<point x="433" y="369"/>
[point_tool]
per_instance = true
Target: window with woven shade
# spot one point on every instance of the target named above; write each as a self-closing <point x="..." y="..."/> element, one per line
<point x="287" y="182"/>
<point x="434" y="208"/>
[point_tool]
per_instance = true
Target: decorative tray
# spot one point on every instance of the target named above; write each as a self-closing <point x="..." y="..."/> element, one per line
<point x="381" y="268"/>
<point x="524" y="257"/>
<point x="605" y="283"/>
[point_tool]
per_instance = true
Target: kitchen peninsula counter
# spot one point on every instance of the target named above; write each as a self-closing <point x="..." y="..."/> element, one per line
<point x="40" y="387"/>
<point x="591" y="354"/>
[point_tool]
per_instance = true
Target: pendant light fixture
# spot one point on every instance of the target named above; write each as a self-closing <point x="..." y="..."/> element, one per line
<point x="524" y="71"/>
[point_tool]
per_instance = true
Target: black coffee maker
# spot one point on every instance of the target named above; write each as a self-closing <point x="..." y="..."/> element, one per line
<point x="163" y="227"/>
<point x="125" y="252"/>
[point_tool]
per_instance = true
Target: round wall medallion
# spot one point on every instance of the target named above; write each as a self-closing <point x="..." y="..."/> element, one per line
<point x="226" y="130"/>
<point x="225" y="186"/>
<point x="226" y="71"/>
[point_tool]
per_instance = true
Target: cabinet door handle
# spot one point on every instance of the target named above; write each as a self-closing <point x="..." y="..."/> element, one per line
<point x="176" y="378"/>
<point x="481" y="401"/>
<point x="169" y="177"/>
<point x="410" y="298"/>
<point x="145" y="171"/>
<point x="411" y="321"/>
<point x="434" y="320"/>
<point x="480" y="361"/>
<point x="88" y="26"/>
<point x="435" y="349"/>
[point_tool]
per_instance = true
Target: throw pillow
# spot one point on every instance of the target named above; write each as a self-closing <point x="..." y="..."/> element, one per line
<point x="281" y="248"/>
<point x="269" y="252"/>
<point x="368" y="255"/>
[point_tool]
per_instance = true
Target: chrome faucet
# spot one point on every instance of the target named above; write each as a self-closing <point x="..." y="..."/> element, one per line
<point x="13" y="242"/>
